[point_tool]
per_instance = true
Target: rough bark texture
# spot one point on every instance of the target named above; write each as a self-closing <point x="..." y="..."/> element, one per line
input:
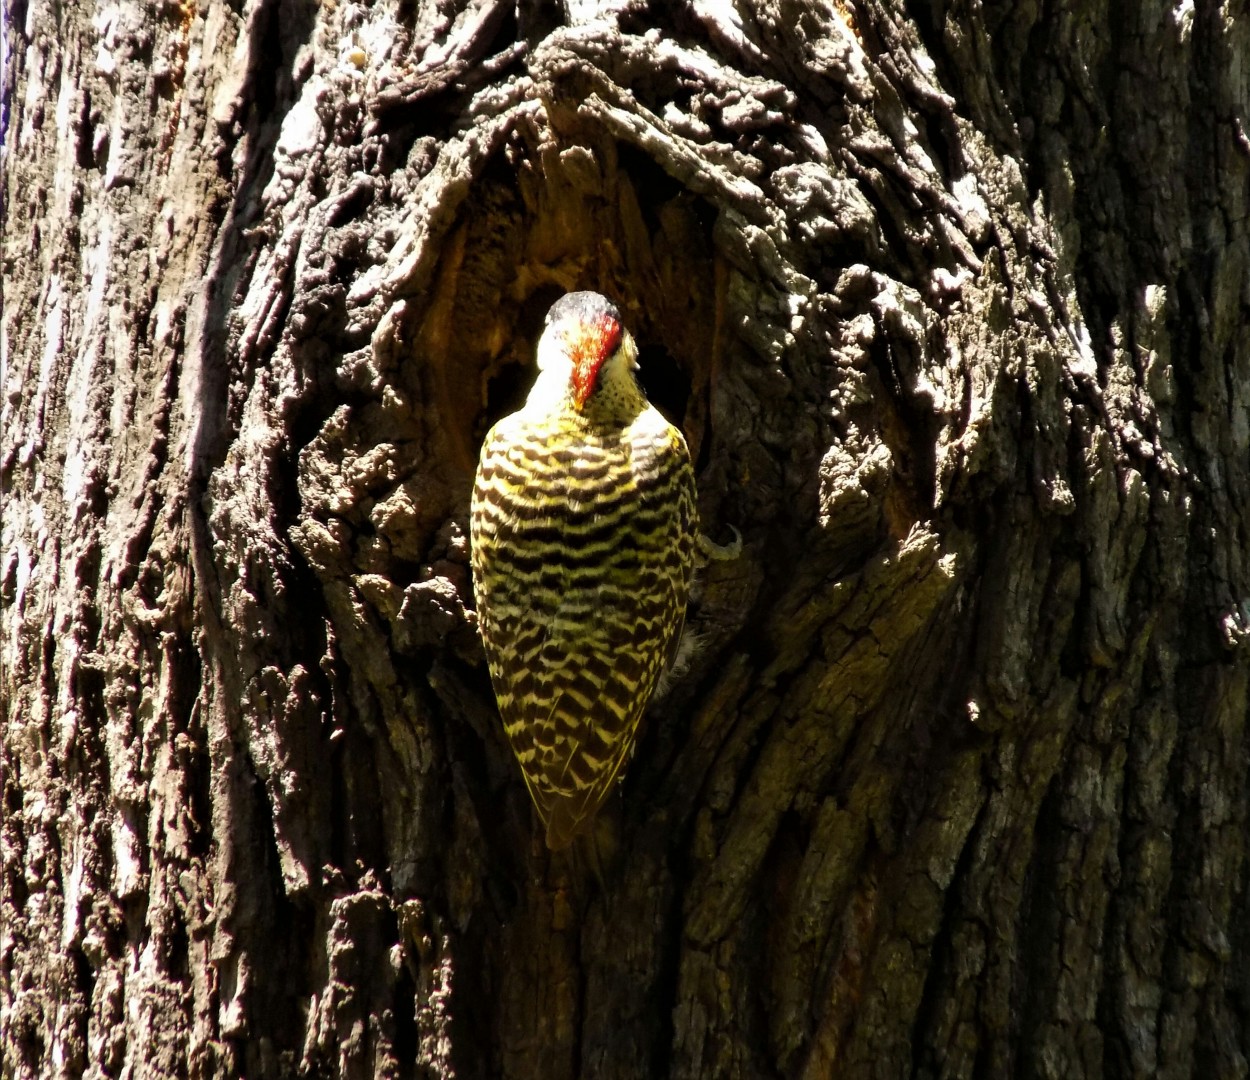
<point x="952" y="305"/>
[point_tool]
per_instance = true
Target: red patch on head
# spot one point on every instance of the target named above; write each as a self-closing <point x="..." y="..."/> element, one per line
<point x="590" y="343"/>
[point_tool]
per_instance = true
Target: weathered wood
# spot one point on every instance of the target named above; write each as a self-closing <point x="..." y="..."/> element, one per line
<point x="952" y="309"/>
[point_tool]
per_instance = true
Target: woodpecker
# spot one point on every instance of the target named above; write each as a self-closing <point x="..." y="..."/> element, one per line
<point x="584" y="533"/>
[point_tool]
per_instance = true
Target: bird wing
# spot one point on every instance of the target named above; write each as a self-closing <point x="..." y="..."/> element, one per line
<point x="582" y="591"/>
<point x="591" y="656"/>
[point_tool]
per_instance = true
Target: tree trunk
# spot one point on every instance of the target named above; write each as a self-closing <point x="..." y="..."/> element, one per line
<point x="952" y="308"/>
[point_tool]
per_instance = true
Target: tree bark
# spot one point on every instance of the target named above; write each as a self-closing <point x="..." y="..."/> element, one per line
<point x="951" y="304"/>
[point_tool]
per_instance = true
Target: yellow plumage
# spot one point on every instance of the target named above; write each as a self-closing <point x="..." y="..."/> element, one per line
<point x="583" y="546"/>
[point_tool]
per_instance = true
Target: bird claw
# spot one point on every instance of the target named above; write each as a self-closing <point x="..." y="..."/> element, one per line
<point x="714" y="552"/>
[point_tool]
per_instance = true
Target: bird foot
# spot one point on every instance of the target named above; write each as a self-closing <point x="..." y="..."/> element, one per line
<point x="714" y="552"/>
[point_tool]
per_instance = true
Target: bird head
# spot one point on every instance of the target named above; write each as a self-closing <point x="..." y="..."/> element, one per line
<point x="586" y="357"/>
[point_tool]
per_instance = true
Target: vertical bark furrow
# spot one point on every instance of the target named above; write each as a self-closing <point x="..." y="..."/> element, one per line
<point x="951" y="306"/>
